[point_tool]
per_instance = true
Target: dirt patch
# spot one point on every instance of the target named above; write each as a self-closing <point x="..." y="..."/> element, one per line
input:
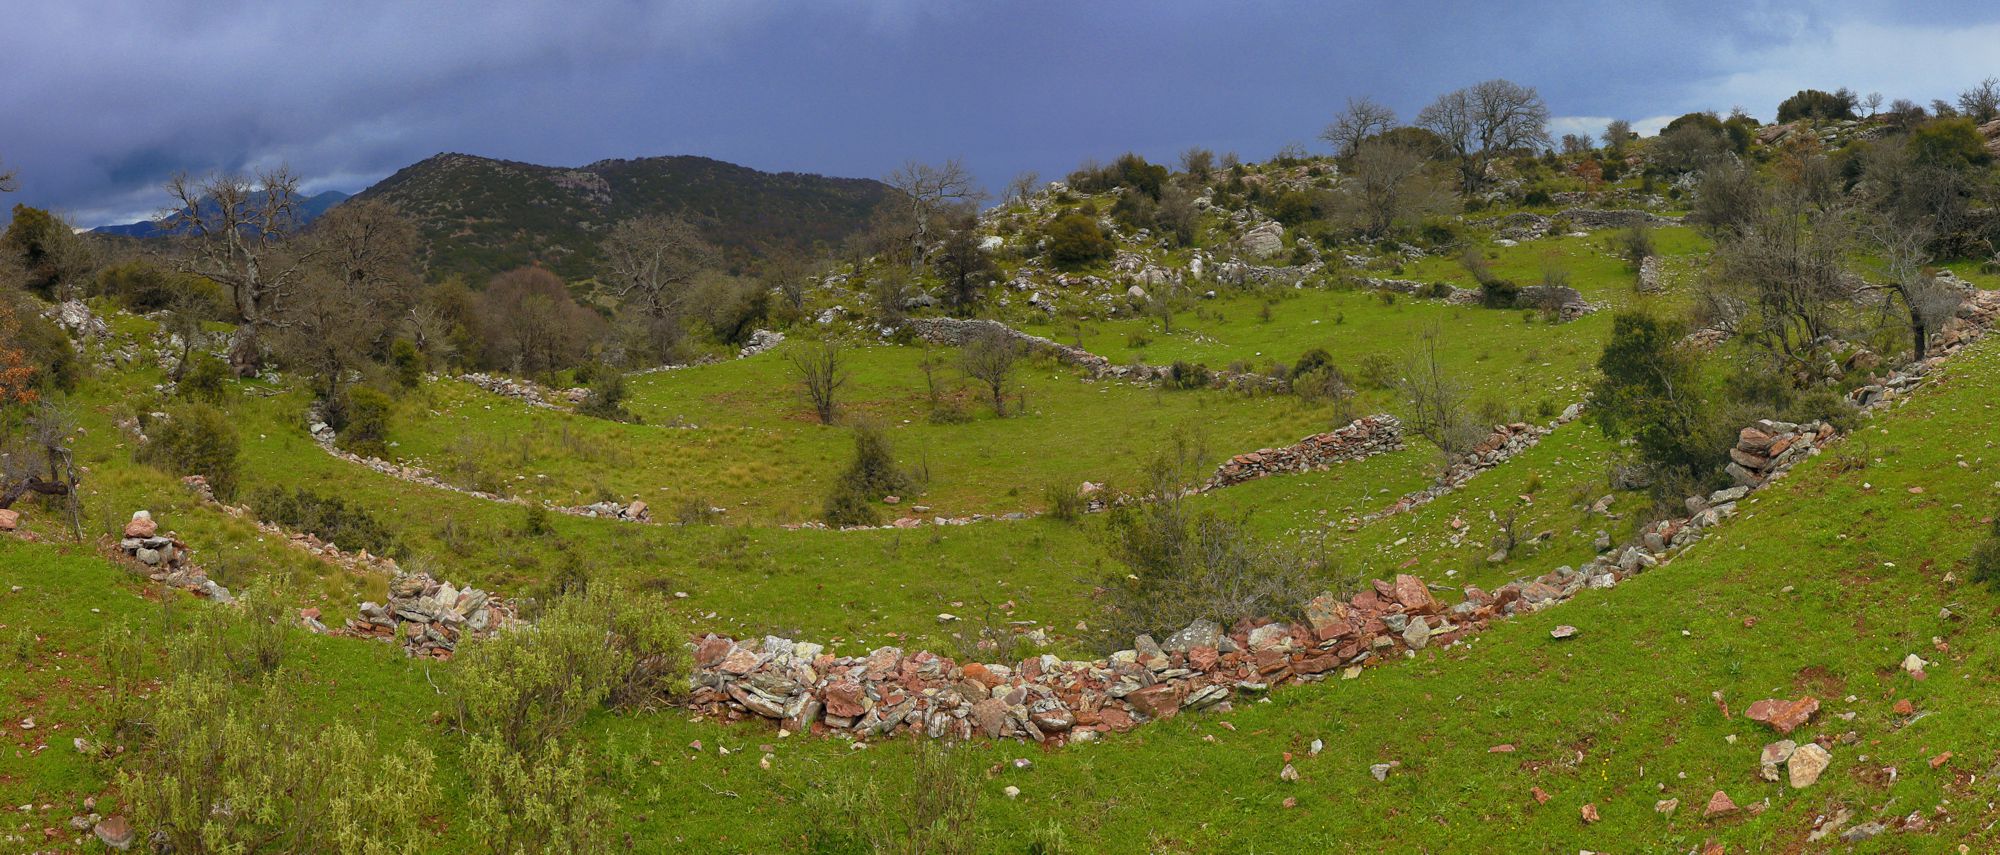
<point x="1816" y="680"/>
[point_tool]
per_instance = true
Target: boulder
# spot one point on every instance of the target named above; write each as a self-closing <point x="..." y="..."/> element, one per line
<point x="1201" y="633"/>
<point x="1783" y="716"/>
<point x="1263" y="241"/>
<point x="115" y="832"/>
<point x="9" y="519"/>
<point x="1416" y="598"/>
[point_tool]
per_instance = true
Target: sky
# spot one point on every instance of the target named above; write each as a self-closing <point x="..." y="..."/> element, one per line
<point x="102" y="100"/>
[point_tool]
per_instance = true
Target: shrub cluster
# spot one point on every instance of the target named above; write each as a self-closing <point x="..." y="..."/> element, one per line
<point x="332" y="519"/>
<point x="195" y="439"/>
<point x="872" y="475"/>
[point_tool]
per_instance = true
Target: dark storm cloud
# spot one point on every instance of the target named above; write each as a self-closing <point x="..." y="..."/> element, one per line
<point x="100" y="101"/>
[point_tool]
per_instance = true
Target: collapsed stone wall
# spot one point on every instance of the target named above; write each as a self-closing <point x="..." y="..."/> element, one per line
<point x="323" y="436"/>
<point x="1568" y="303"/>
<point x="1613" y="218"/>
<point x="955" y="332"/>
<point x="1498" y="447"/>
<point x="1365" y="437"/>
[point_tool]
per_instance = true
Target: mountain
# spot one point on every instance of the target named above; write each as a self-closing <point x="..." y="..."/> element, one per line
<point x="309" y="209"/>
<point x="479" y="215"/>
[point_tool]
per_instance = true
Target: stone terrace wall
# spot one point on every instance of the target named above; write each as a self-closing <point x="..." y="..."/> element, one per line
<point x="955" y="332"/>
<point x="1365" y="437"/>
<point x="1498" y="447"/>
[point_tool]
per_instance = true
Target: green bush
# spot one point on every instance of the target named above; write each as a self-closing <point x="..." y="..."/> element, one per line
<point x="1188" y="375"/>
<point x="1065" y="503"/>
<point x="1986" y="557"/>
<point x="196" y="439"/>
<point x="870" y="476"/>
<point x="367" y="430"/>
<point x="222" y="773"/>
<point x="407" y="362"/>
<point x="603" y="645"/>
<point x="536" y="801"/>
<point x="328" y="517"/>
<point x="204" y="379"/>
<point x="1499" y="294"/>
<point x="607" y="397"/>
<point x="1076" y="240"/>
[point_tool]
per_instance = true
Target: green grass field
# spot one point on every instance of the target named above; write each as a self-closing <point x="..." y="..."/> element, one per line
<point x="1822" y="586"/>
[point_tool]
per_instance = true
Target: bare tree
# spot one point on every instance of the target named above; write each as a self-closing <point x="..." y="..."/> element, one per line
<point x="988" y="357"/>
<point x="1927" y="302"/>
<point x="1436" y="399"/>
<point x="185" y="317"/>
<point x="1873" y="102"/>
<point x="652" y="259"/>
<point x="427" y="327"/>
<point x="1387" y="184"/>
<point x="235" y="230"/>
<point x="44" y="447"/>
<point x="1363" y="119"/>
<point x="1981" y="102"/>
<point x="1788" y="268"/>
<point x="1023" y="186"/>
<point x="820" y="369"/>
<point x="1726" y="200"/>
<point x="1198" y="161"/>
<point x="929" y="190"/>
<point x="7" y="183"/>
<point x="1486" y="120"/>
<point x="1617" y="134"/>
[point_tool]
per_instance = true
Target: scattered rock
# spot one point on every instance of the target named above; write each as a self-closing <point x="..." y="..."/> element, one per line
<point x="1783" y="716"/>
<point x="1806" y="764"/>
<point x="1564" y="631"/>
<point x="1381" y="770"/>
<point x="1589" y="813"/>
<point x="1718" y="805"/>
<point x="115" y="832"/>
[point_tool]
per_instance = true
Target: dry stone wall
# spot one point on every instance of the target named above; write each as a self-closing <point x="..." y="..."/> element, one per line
<point x="955" y="332"/>
<point x="1362" y="438"/>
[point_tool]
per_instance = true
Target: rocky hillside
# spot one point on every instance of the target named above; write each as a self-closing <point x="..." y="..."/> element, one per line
<point x="479" y="215"/>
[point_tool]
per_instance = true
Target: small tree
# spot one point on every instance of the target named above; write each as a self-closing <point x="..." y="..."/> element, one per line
<point x="988" y="357"/>
<point x="1981" y="103"/>
<point x="1363" y="120"/>
<point x="1649" y="392"/>
<point x="1635" y="244"/>
<point x="871" y="476"/>
<point x="1436" y="400"/>
<point x="819" y="368"/>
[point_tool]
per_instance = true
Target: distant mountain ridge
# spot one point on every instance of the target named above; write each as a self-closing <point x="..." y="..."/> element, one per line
<point x="309" y="209"/>
<point x="478" y="216"/>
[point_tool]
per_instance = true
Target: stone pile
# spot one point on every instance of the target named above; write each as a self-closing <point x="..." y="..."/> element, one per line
<point x="636" y="511"/>
<point x="1769" y="447"/>
<point x="166" y="559"/>
<point x="1522" y="226"/>
<point x="533" y="394"/>
<point x="1435" y="291"/>
<point x="760" y="341"/>
<point x="954" y="332"/>
<point x="429" y="618"/>
<point x="1365" y="437"/>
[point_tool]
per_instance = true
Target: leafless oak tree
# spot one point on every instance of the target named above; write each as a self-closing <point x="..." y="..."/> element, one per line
<point x="928" y="190"/>
<point x="1981" y="102"/>
<point x="653" y="258"/>
<point x="1386" y="184"/>
<point x="1486" y="120"/>
<point x="235" y="231"/>
<point x="1926" y="302"/>
<point x="1363" y="118"/>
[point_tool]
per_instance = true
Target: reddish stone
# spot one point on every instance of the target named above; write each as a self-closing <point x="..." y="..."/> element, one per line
<point x="1752" y="439"/>
<point x="1367" y="602"/>
<point x="1348" y="651"/>
<point x="1384" y="589"/>
<point x="309" y="613"/>
<point x="1415" y="598"/>
<point x="1783" y="716"/>
<point x="980" y="674"/>
<point x="1541" y="796"/>
<point x="1314" y="664"/>
<point x="844" y="699"/>
<point x="1589" y="814"/>
<point x="1270" y="660"/>
<point x="1718" y="805"/>
<point x="9" y="519"/>
<point x="1202" y="658"/>
<point x="1114" y="718"/>
<point x="1503" y="748"/>
<point x="1941" y="759"/>
<point x="1158" y="701"/>
<point x="1904" y="707"/>
<point x="141" y="527"/>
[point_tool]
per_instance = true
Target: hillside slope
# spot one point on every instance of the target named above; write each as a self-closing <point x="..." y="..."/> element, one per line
<point x="479" y="215"/>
